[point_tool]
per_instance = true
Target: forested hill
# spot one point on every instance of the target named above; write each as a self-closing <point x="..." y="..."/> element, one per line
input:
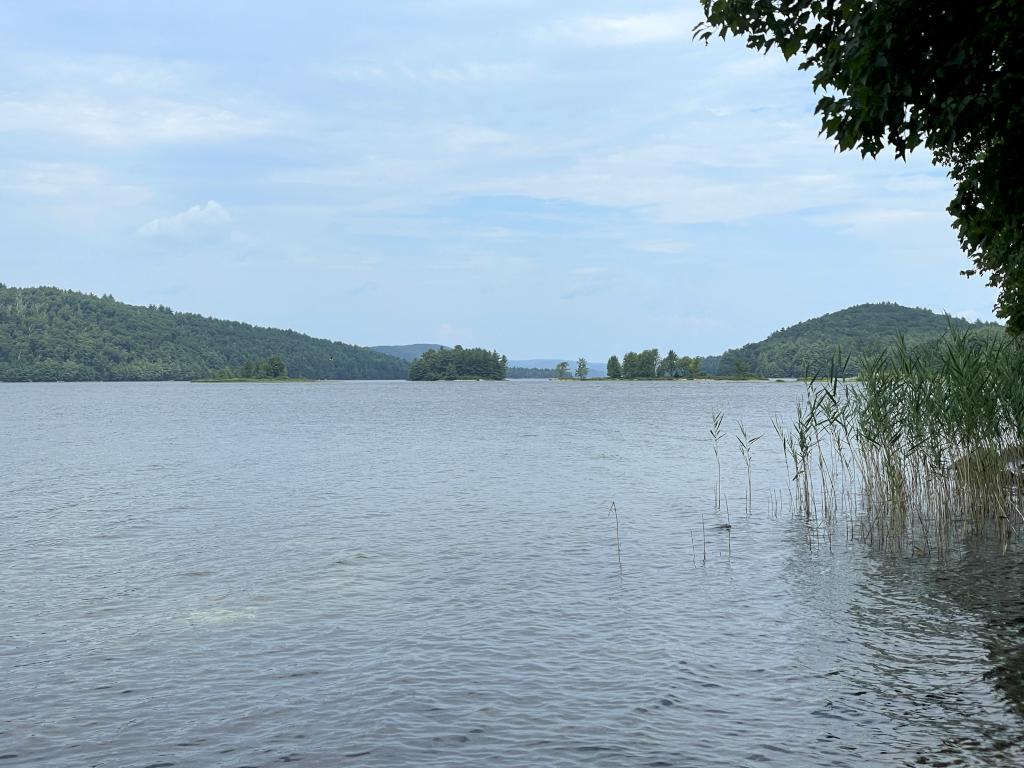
<point x="49" y="334"/>
<point x="864" y="329"/>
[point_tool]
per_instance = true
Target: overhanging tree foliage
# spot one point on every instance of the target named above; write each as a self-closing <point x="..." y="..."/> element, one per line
<point x="904" y="73"/>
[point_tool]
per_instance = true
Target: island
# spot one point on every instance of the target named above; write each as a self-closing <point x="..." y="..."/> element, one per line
<point x="459" y="364"/>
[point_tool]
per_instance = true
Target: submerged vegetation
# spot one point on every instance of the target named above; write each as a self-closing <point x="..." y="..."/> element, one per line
<point x="458" y="363"/>
<point x="927" y="448"/>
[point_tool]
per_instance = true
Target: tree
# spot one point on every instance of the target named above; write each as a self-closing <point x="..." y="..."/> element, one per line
<point x="614" y="368"/>
<point x="276" y="367"/>
<point x="694" y="366"/>
<point x="581" y="368"/>
<point x="630" y="365"/>
<point x="670" y="365"/>
<point x="562" y="370"/>
<point x="648" y="363"/>
<point x="948" y="76"/>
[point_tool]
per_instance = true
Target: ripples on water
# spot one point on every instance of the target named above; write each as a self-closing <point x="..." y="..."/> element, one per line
<point x="396" y="574"/>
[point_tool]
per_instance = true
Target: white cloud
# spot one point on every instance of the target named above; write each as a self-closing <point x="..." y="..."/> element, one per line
<point x="126" y="73"/>
<point x="635" y="29"/>
<point x="122" y="101"/>
<point x="198" y="222"/>
<point x="74" y="183"/>
<point x="125" y="123"/>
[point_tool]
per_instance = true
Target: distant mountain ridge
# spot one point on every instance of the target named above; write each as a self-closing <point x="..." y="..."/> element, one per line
<point x="49" y="334"/>
<point x="408" y="352"/>
<point x="810" y="346"/>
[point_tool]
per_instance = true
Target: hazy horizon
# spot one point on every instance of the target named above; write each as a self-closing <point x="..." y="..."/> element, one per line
<point x="578" y="179"/>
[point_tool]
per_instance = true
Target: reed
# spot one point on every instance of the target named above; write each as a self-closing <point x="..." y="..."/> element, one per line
<point x="926" y="448"/>
<point x="746" y="442"/>
<point x="716" y="437"/>
<point x="613" y="510"/>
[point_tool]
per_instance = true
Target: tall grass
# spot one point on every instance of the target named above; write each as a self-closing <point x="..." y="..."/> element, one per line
<point x="925" y="449"/>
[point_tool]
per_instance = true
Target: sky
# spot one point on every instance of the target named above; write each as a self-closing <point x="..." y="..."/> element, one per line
<point x="547" y="179"/>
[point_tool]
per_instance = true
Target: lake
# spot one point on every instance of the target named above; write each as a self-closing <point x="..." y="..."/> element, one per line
<point x="410" y="574"/>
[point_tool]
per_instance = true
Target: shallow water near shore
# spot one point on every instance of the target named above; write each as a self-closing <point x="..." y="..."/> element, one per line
<point x="408" y="574"/>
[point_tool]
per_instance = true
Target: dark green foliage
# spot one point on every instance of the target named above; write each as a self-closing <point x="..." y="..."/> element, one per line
<point x="276" y="367"/>
<point x="581" y="368"/>
<point x="866" y="329"/>
<point x="532" y="373"/>
<point x="48" y="334"/>
<point x="614" y="368"/>
<point x="670" y="365"/>
<point x="271" y="368"/>
<point x="904" y="73"/>
<point x="630" y="365"/>
<point x="562" y="370"/>
<point x="640" y="365"/>
<point x="458" y="363"/>
<point x="649" y="365"/>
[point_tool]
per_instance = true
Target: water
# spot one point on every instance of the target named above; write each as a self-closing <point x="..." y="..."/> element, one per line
<point x="397" y="574"/>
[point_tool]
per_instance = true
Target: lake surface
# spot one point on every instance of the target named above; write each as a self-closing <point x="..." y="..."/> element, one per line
<point x="399" y="574"/>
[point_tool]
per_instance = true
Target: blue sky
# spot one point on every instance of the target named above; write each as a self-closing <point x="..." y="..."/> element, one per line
<point x="549" y="179"/>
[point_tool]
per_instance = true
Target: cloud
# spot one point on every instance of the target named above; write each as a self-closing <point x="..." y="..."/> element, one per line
<point x="588" y="281"/>
<point x="198" y="222"/>
<point x="73" y="182"/>
<point x="635" y="29"/>
<point x="138" y="122"/>
<point x="121" y="101"/>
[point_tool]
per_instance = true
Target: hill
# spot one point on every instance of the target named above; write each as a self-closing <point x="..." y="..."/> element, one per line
<point x="865" y="329"/>
<point x="407" y="352"/>
<point x="49" y="334"/>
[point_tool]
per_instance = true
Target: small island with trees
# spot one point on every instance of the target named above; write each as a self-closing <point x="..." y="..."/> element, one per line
<point x="273" y="369"/>
<point x="459" y="364"/>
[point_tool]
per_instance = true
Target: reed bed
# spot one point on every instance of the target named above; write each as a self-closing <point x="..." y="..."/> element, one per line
<point x="924" y="449"/>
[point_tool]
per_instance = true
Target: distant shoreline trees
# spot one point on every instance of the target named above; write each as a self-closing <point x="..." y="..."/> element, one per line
<point x="648" y="364"/>
<point x="458" y="363"/>
<point x="614" y="368"/>
<point x="271" y="368"/>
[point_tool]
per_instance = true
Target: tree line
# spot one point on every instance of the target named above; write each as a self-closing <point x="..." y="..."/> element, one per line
<point x="647" y="364"/>
<point x="458" y="363"/>
<point x="272" y="368"/>
<point x="49" y="334"/>
<point x="853" y="334"/>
